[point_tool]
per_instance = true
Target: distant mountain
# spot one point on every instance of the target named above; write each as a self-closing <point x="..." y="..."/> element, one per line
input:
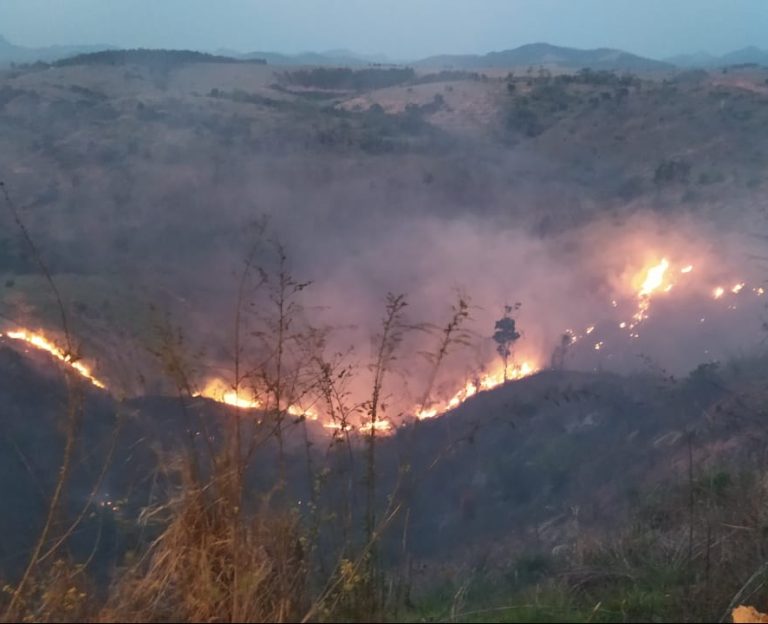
<point x="546" y="54"/>
<point x="532" y="54"/>
<point x="748" y="55"/>
<point x="10" y="53"/>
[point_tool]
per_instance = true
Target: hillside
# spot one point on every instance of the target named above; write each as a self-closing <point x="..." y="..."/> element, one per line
<point x="512" y="471"/>
<point x="115" y="149"/>
<point x="206" y="219"/>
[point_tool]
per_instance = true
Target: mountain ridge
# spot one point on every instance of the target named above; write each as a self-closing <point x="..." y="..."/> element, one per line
<point x="530" y="54"/>
<point x="548" y="54"/>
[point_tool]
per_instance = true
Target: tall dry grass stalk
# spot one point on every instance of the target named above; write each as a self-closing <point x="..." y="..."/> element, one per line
<point x="205" y="568"/>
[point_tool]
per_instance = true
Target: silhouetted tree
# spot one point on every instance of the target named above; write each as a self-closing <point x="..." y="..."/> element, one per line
<point x="505" y="335"/>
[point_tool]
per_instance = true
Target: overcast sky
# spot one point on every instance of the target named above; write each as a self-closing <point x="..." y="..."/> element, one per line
<point x="401" y="29"/>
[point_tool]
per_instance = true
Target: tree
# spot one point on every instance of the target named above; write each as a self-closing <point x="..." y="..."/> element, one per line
<point x="505" y="335"/>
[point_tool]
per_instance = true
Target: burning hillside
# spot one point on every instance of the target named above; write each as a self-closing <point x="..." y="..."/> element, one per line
<point x="666" y="287"/>
<point x="38" y="341"/>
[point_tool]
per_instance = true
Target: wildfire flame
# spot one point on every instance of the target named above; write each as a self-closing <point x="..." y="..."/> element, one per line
<point x="653" y="281"/>
<point x="472" y="387"/>
<point x="218" y="390"/>
<point x="654" y="278"/>
<point x="40" y="342"/>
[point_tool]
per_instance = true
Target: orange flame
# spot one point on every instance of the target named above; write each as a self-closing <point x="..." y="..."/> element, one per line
<point x="472" y="387"/>
<point x="654" y="278"/>
<point x="653" y="281"/>
<point x="39" y="341"/>
<point x="220" y="391"/>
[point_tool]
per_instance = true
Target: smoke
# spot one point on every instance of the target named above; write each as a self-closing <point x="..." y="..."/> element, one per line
<point x="587" y="276"/>
<point x="164" y="219"/>
<point x="340" y="234"/>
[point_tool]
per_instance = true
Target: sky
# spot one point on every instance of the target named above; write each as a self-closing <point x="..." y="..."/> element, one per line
<point x="399" y="29"/>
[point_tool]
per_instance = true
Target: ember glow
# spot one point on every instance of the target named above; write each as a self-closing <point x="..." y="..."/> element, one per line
<point x="40" y="342"/>
<point x="380" y="426"/>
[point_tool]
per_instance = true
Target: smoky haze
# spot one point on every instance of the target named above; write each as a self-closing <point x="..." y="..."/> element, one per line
<point x="568" y="281"/>
<point x="357" y="235"/>
<point x="497" y="227"/>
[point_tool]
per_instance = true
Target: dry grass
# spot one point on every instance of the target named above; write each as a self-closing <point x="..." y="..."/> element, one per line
<point x="206" y="568"/>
